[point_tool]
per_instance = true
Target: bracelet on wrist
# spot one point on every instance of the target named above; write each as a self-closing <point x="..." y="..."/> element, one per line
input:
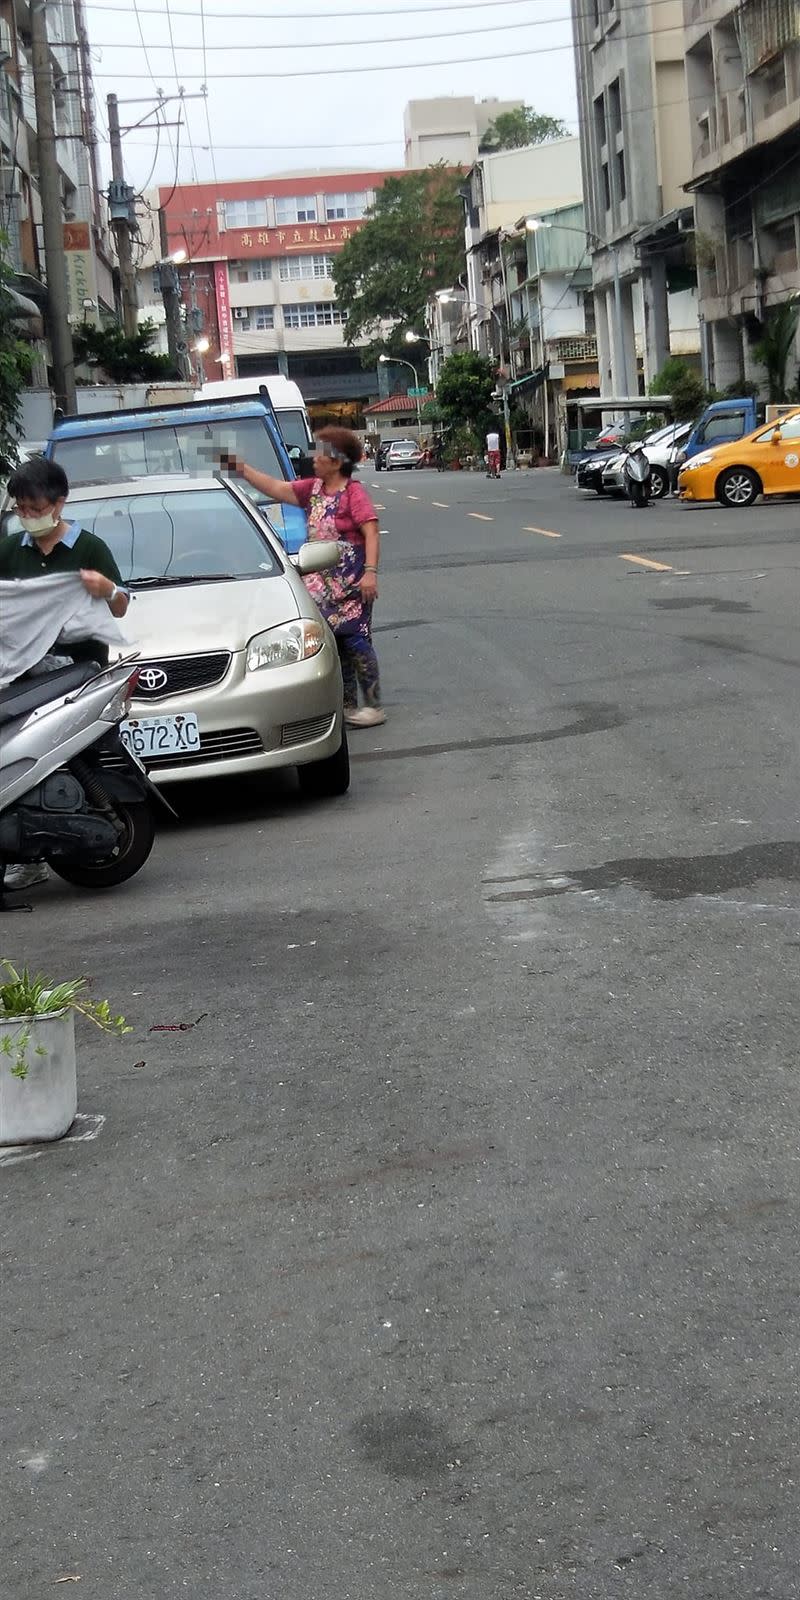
<point x="371" y="569"/>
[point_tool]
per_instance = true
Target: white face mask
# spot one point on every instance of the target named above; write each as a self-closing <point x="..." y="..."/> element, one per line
<point x="37" y="527"/>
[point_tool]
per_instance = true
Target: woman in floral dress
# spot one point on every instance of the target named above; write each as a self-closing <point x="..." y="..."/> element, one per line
<point x="338" y="508"/>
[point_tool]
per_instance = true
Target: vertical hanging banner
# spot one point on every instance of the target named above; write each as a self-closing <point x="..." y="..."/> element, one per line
<point x="224" y="319"/>
<point x="81" y="277"/>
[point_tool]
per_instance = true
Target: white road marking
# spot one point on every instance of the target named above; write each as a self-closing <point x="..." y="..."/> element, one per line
<point x="479" y="516"/>
<point x="547" y="533"/>
<point x="392" y="491"/>
<point x="412" y="496"/>
<point x="442" y="504"/>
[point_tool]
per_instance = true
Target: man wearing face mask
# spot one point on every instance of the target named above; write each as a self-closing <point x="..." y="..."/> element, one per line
<point x="49" y="543"/>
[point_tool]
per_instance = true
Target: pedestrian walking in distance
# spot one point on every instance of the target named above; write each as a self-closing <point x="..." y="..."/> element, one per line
<point x="493" y="454"/>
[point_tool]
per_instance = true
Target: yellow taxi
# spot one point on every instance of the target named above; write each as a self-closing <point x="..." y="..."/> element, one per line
<point x="765" y="462"/>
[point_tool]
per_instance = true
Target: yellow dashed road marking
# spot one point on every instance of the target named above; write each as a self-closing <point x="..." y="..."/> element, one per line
<point x="547" y="533"/>
<point x="641" y="561"/>
<point x="479" y="516"/>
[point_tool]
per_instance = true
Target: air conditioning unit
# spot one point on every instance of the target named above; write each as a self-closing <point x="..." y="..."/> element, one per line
<point x="240" y="313"/>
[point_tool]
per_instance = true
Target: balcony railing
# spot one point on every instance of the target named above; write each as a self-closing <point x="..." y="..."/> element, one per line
<point x="582" y="347"/>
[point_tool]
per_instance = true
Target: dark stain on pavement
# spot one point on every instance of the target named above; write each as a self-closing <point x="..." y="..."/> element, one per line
<point x="406" y="1444"/>
<point x="394" y="627"/>
<point x="734" y="648"/>
<point x="673" y="877"/>
<point x="689" y="602"/>
<point x="591" y="718"/>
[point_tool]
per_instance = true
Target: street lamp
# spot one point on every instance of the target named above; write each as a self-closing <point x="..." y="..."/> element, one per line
<point x="399" y="362"/>
<point x="534" y="224"/>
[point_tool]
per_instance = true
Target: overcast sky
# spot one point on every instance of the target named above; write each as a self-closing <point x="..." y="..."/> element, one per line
<point x="277" y="74"/>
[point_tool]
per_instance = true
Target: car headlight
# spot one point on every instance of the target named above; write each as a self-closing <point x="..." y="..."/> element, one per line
<point x="698" y="461"/>
<point x="286" y="645"/>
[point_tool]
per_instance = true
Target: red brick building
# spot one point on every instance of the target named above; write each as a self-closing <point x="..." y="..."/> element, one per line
<point x="258" y="273"/>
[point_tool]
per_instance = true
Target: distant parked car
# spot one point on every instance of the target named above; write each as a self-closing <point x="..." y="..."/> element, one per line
<point x="658" y="448"/>
<point x="589" y="471"/>
<point x="403" y="453"/>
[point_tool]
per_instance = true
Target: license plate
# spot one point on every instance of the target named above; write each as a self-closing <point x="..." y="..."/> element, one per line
<point x="149" y="737"/>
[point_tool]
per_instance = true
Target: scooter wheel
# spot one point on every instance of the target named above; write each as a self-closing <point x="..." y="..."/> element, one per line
<point x="134" y="849"/>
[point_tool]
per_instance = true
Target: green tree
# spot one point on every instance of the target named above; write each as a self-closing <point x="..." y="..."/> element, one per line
<point x="775" y="347"/>
<point x="511" y="130"/>
<point x="688" y="391"/>
<point x="15" y="368"/>
<point x="411" y="245"/>
<point x="464" y="391"/>
<point x="121" y="358"/>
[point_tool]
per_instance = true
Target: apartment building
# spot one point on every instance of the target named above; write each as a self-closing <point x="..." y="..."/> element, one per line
<point x="259" y="277"/>
<point x="497" y="190"/>
<point x="449" y="128"/>
<point x="636" y="151"/>
<point x="743" y="75"/>
<point x="89" y="259"/>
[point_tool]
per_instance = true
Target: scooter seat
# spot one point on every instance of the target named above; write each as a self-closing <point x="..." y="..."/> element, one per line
<point x="28" y="694"/>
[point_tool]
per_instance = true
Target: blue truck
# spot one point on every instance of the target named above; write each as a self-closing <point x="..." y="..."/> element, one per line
<point x="187" y="438"/>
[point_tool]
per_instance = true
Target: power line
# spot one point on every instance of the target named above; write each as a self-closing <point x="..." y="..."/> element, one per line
<point x="350" y="44"/>
<point x="179" y="88"/>
<point x="155" y="86"/>
<point x="205" y="86"/>
<point x="314" y="16"/>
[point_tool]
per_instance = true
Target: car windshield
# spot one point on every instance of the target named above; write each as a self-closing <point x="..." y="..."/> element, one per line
<point x="177" y="536"/>
<point x="191" y="448"/>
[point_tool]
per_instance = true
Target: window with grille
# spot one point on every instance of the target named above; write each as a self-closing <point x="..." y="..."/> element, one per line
<point x="295" y="208"/>
<point x="319" y="315"/>
<point x="292" y="267"/>
<point x="344" y="207"/>
<point x="244" y="213"/>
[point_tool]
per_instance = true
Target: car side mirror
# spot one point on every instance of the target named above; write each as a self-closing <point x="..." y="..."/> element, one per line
<point x="777" y="436"/>
<point x="317" y="555"/>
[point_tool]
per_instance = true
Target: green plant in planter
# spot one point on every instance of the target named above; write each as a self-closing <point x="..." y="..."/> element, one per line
<point x="32" y="995"/>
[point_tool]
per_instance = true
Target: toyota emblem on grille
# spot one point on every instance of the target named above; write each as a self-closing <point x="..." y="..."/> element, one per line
<point x="152" y="678"/>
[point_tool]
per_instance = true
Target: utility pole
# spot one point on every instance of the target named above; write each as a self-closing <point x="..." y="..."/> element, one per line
<point x="52" y="214"/>
<point x="123" y="222"/>
<point x="171" y="295"/>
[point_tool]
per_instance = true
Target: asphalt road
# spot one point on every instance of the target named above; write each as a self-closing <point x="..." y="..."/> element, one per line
<point x="453" y="1253"/>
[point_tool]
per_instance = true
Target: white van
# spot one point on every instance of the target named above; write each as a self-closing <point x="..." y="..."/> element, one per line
<point x="286" y="398"/>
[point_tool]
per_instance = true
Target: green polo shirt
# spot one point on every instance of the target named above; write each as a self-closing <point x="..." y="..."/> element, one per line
<point x="20" y="557"/>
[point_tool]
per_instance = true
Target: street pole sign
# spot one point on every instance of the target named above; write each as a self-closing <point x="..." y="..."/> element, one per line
<point x="417" y="394"/>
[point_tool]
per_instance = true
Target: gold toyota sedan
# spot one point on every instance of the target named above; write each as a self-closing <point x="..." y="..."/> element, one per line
<point x="238" y="673"/>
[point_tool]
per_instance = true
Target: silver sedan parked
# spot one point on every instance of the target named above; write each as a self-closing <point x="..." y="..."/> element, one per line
<point x="239" y="673"/>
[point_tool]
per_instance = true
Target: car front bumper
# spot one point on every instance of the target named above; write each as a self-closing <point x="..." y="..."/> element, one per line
<point x="252" y="722"/>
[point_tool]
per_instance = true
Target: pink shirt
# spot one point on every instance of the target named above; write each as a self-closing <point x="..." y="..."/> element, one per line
<point x="355" y="506"/>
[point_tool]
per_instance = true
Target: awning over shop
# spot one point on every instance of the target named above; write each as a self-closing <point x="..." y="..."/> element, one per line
<point x="529" y="384"/>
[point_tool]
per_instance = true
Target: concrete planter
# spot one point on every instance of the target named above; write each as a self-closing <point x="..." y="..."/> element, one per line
<point x="41" y="1105"/>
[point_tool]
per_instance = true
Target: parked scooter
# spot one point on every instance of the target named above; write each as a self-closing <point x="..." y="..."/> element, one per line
<point x="637" y="475"/>
<point x="71" y="793"/>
